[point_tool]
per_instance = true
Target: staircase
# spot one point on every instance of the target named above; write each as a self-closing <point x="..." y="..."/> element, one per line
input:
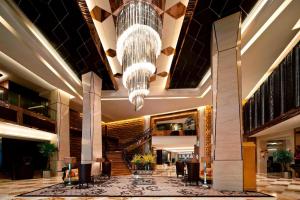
<point x="118" y="165"/>
<point x="120" y="154"/>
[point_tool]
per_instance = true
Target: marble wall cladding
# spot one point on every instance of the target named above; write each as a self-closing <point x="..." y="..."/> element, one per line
<point x="91" y="124"/>
<point x="228" y="175"/>
<point x="227" y="116"/>
<point x="59" y="101"/>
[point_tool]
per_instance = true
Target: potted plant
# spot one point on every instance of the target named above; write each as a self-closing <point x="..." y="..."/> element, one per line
<point x="47" y="149"/>
<point x="284" y="158"/>
<point x="149" y="160"/>
<point x="137" y="161"/>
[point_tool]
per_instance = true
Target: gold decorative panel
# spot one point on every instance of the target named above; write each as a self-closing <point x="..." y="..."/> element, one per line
<point x="207" y="137"/>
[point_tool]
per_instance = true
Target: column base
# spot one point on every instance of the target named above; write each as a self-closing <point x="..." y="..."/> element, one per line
<point x="228" y="175"/>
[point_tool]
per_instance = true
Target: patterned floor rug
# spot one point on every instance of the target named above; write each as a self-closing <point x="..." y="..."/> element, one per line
<point x="127" y="186"/>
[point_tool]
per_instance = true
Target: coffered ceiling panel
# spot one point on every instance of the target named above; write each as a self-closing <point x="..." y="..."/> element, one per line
<point x="63" y="24"/>
<point x="192" y="56"/>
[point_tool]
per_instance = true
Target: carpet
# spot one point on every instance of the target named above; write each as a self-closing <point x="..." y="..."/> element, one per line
<point x="127" y="186"/>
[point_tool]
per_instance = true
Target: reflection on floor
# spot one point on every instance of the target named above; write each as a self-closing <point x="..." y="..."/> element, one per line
<point x="283" y="189"/>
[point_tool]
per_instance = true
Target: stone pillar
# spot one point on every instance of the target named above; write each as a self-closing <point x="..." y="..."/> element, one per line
<point x="227" y="104"/>
<point x="59" y="101"/>
<point x="147" y="146"/>
<point x="201" y="134"/>
<point x="146" y="122"/>
<point x="91" y="122"/>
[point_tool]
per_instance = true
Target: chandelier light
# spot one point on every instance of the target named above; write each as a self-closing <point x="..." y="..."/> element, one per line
<point x="138" y="46"/>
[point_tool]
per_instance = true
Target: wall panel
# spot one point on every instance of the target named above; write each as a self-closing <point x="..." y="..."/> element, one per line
<point x="277" y="98"/>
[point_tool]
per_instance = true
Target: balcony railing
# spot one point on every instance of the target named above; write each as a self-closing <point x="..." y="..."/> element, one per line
<point x="26" y="111"/>
<point x="35" y="105"/>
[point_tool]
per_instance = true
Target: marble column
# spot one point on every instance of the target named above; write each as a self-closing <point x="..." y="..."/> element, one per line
<point x="227" y="104"/>
<point x="201" y="134"/>
<point x="147" y="146"/>
<point x="59" y="101"/>
<point x="91" y="122"/>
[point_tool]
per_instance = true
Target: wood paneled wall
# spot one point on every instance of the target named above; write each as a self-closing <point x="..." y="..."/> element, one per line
<point x="125" y="130"/>
<point x="75" y="144"/>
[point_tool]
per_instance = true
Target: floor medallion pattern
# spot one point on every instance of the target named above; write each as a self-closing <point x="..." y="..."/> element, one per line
<point x="127" y="186"/>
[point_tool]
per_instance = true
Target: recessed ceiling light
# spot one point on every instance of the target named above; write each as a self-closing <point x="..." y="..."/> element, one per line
<point x="205" y="77"/>
<point x="206" y="91"/>
<point x="8" y="26"/>
<point x="252" y="15"/>
<point x="264" y="27"/>
<point x="297" y="25"/>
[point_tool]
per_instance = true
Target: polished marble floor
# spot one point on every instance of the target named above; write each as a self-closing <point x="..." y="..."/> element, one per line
<point x="282" y="189"/>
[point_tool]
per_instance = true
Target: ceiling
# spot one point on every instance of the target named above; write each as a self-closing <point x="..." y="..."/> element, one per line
<point x="266" y="49"/>
<point x="192" y="56"/>
<point x="18" y="56"/>
<point x="70" y="27"/>
<point x="287" y="125"/>
<point x="64" y="26"/>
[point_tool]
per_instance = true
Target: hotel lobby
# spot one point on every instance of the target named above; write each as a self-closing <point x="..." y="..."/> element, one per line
<point x="150" y="99"/>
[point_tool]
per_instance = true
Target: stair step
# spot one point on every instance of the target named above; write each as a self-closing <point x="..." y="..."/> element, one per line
<point x="118" y="165"/>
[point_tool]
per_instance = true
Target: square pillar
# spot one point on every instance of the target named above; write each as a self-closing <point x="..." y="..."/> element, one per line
<point x="91" y="121"/>
<point x="227" y="104"/>
<point x="59" y="101"/>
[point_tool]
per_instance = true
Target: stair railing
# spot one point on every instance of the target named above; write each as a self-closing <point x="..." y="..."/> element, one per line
<point x="132" y="146"/>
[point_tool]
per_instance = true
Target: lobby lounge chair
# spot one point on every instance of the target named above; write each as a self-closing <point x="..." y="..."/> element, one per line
<point x="179" y="168"/>
<point x="193" y="172"/>
<point x="85" y="177"/>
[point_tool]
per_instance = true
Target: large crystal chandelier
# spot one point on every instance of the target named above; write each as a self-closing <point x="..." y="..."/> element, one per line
<point x="138" y="45"/>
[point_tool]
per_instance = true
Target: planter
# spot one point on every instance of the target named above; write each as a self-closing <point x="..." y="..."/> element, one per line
<point x="133" y="166"/>
<point x="46" y="174"/>
<point x="287" y="174"/>
<point x="139" y="166"/>
<point x="147" y="166"/>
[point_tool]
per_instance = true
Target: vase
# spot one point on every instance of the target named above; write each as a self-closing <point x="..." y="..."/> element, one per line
<point x="146" y="166"/>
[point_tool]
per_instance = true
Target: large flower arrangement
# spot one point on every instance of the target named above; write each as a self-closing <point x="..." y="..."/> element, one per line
<point x="143" y="162"/>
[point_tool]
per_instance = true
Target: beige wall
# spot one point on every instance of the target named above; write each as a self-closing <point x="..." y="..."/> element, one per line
<point x="288" y="136"/>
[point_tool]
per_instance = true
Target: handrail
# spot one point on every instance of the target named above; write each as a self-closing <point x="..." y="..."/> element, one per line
<point x="18" y="100"/>
<point x="146" y="133"/>
<point x="145" y="137"/>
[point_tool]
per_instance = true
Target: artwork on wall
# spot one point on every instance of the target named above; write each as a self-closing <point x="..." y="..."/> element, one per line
<point x="175" y="124"/>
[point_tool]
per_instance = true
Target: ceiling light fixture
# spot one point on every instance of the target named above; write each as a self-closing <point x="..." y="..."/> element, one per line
<point x="252" y="15"/>
<point x="297" y="25"/>
<point x="266" y="25"/>
<point x="205" y="77"/>
<point x="139" y="28"/>
<point x="206" y="91"/>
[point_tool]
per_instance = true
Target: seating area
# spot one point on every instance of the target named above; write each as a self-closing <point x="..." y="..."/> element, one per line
<point x="81" y="174"/>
